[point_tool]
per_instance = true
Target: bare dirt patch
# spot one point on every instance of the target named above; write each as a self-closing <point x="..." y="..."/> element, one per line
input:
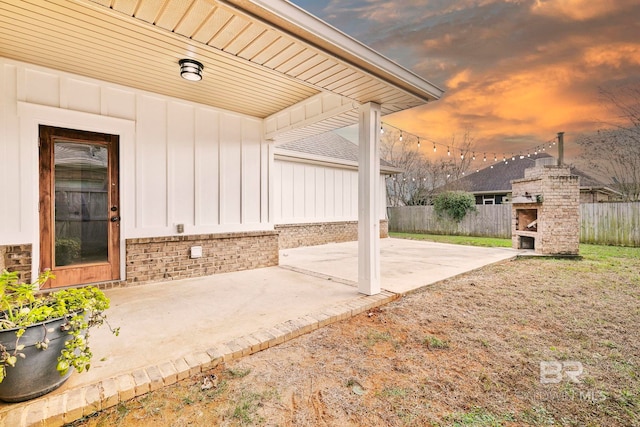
<point x="465" y="351"/>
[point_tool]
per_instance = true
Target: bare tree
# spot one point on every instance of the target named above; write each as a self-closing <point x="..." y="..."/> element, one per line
<point x="396" y="149"/>
<point x="614" y="151"/>
<point x="458" y="163"/>
<point x="422" y="175"/>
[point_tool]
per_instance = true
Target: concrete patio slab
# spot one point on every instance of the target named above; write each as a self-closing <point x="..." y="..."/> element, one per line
<point x="172" y="330"/>
<point x="405" y="265"/>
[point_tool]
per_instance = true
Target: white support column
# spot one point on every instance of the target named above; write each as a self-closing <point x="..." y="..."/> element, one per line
<point x="369" y="199"/>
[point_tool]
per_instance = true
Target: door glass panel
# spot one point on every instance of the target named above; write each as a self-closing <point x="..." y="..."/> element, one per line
<point x="81" y="200"/>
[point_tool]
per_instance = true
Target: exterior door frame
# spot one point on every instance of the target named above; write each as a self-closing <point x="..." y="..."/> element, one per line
<point x="86" y="272"/>
<point x="31" y="116"/>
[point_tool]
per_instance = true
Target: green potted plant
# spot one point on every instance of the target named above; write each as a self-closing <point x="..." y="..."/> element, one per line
<point x="44" y="336"/>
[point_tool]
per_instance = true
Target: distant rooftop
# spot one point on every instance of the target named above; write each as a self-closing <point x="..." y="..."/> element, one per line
<point x="498" y="179"/>
<point x="330" y="145"/>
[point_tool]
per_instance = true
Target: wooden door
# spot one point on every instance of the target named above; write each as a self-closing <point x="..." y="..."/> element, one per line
<point x="79" y="206"/>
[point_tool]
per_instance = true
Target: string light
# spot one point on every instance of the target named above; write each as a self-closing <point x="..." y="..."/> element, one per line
<point x="404" y="134"/>
<point x="521" y="155"/>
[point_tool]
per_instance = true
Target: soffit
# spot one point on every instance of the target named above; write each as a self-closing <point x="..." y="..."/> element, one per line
<point x="254" y="61"/>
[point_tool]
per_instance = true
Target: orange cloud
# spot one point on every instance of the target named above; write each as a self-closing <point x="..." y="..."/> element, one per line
<point x="577" y="10"/>
<point x="460" y="78"/>
<point x="530" y="103"/>
<point x="515" y="72"/>
<point x="613" y="55"/>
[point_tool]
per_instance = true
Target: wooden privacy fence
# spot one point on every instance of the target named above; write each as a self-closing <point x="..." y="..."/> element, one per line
<point x="489" y="221"/>
<point x="610" y="223"/>
<point x="600" y="223"/>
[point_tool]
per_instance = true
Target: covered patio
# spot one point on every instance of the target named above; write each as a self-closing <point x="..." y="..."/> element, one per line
<point x="227" y="316"/>
<point x="196" y="152"/>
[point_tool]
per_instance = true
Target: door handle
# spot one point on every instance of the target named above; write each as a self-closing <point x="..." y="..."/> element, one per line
<point x="115" y="218"/>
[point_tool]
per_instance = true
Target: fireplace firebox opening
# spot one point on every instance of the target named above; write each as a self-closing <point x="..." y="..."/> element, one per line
<point x="527" y="220"/>
<point x="527" y="242"/>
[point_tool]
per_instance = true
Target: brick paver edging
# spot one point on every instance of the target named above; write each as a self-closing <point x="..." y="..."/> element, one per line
<point x="74" y="404"/>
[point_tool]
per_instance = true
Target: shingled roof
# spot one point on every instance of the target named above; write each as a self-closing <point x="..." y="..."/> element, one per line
<point x="498" y="179"/>
<point x="328" y="146"/>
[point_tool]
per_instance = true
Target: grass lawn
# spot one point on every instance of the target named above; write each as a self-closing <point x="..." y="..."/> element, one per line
<point x="458" y="240"/>
<point x="593" y="251"/>
<point x="526" y="342"/>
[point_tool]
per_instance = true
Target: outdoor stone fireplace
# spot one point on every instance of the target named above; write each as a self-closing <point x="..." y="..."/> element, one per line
<point x="546" y="210"/>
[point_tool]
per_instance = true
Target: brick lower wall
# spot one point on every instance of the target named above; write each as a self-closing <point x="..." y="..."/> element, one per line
<point x="384" y="228"/>
<point x="17" y="258"/>
<point x="312" y="234"/>
<point x="168" y="258"/>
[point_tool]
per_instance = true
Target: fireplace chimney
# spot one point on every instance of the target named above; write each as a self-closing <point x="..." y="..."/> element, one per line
<point x="560" y="148"/>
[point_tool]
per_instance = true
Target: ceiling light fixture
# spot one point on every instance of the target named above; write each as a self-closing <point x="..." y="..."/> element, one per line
<point x="191" y="70"/>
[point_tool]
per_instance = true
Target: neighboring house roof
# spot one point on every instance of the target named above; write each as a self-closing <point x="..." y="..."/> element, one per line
<point x="498" y="180"/>
<point x="327" y="148"/>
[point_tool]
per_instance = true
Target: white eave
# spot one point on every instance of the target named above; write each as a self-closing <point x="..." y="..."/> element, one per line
<point x="265" y="58"/>
<point x="295" y="20"/>
<point x="314" y="159"/>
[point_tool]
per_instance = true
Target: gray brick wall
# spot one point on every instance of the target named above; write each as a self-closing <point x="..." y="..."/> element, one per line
<point x="312" y="234"/>
<point x="168" y="258"/>
<point x="17" y="258"/>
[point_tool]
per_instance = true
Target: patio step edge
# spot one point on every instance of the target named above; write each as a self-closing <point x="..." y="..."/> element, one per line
<point x="74" y="404"/>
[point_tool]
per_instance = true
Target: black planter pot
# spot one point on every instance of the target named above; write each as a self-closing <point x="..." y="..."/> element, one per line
<point x="36" y="374"/>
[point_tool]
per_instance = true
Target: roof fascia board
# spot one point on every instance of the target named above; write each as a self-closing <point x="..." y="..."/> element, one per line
<point x="297" y="156"/>
<point x="291" y="18"/>
<point x="272" y="120"/>
<point x="493" y="192"/>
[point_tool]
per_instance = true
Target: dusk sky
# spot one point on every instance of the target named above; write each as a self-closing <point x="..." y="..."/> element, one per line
<point x="515" y="72"/>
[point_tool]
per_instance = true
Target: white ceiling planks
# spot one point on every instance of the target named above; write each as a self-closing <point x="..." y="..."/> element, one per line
<point x="255" y="62"/>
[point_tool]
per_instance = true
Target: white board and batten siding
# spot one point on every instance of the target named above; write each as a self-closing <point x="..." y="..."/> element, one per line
<point x="180" y="162"/>
<point x="310" y="193"/>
